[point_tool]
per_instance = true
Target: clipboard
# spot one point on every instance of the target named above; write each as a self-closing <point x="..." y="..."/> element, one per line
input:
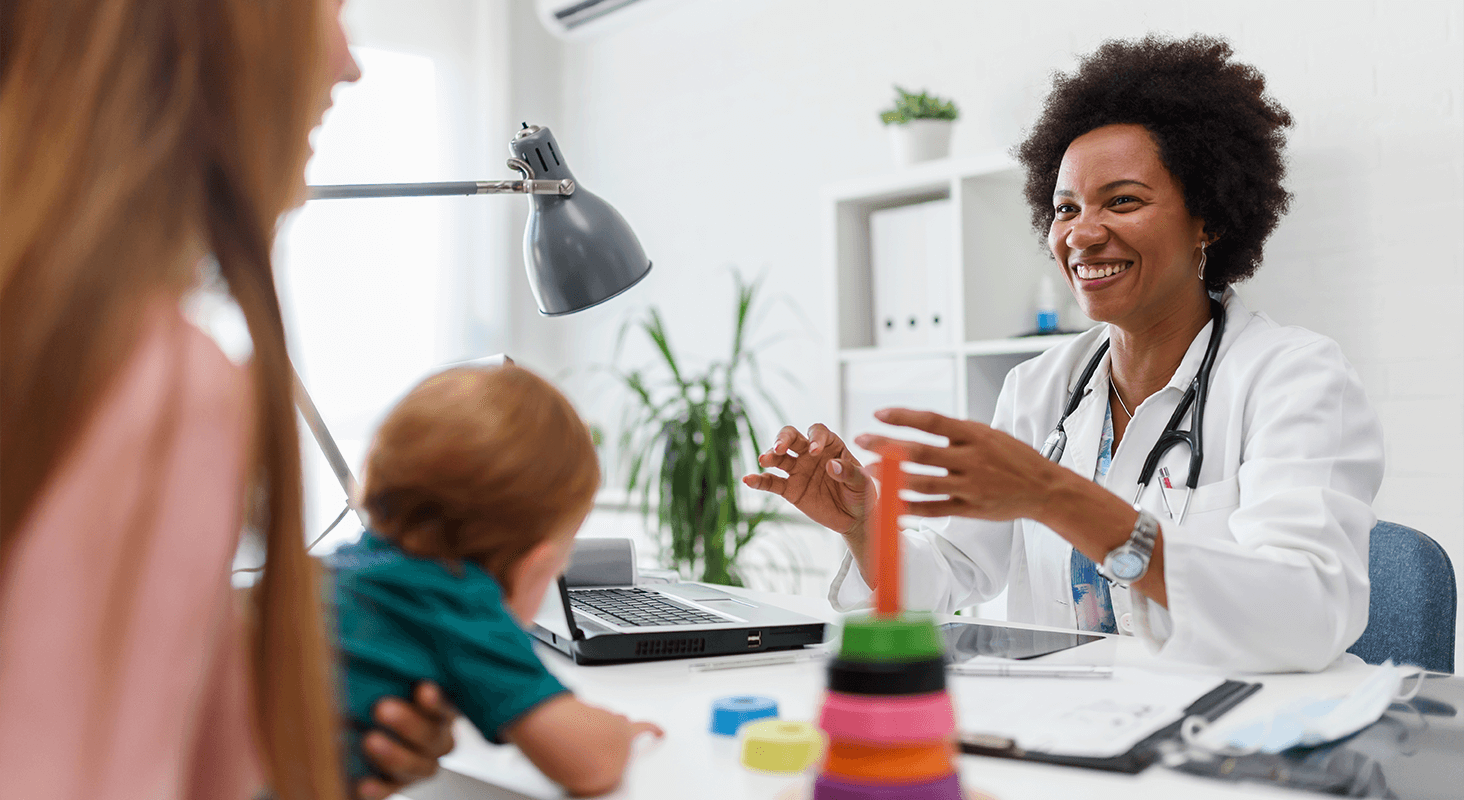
<point x="1211" y="706"/>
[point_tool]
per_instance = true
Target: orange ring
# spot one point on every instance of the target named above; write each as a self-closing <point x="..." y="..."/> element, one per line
<point x="885" y="764"/>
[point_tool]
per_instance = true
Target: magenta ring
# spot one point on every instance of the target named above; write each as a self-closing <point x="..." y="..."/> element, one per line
<point x="947" y="788"/>
<point x="891" y="718"/>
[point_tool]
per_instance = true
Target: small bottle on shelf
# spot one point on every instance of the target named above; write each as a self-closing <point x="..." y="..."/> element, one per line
<point x="1046" y="305"/>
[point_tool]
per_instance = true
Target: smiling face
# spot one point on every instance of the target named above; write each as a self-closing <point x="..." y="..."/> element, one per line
<point x="341" y="66"/>
<point x="1129" y="247"/>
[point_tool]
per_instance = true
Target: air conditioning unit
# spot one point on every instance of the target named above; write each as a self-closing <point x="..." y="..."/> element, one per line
<point x="576" y="20"/>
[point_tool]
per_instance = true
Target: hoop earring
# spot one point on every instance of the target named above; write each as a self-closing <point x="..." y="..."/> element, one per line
<point x="1202" y="262"/>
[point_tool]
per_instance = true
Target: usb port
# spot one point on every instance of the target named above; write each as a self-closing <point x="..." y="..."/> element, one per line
<point x="754" y="639"/>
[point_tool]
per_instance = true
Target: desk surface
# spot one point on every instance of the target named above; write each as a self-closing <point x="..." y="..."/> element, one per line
<point x="690" y="762"/>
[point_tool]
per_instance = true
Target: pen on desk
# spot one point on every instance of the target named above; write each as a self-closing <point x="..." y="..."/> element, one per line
<point x="759" y="661"/>
<point x="985" y="670"/>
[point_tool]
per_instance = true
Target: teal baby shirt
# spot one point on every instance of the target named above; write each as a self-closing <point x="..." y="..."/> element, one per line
<point x="401" y="620"/>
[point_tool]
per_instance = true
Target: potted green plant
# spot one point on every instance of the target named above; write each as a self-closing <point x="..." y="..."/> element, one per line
<point x="688" y="440"/>
<point x="919" y="126"/>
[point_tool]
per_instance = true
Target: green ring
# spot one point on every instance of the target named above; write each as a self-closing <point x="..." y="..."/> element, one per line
<point x="907" y="637"/>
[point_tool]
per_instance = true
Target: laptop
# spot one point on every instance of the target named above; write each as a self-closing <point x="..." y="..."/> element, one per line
<point x="607" y="624"/>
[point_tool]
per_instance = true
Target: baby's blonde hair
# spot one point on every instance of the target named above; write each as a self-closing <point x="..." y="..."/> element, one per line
<point x="480" y="464"/>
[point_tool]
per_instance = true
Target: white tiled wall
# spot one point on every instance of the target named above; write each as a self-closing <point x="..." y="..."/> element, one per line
<point x="712" y="125"/>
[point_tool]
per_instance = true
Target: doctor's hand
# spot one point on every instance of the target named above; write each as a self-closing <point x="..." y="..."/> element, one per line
<point x="421" y="733"/>
<point x="823" y="480"/>
<point x="994" y="476"/>
<point x="990" y="474"/>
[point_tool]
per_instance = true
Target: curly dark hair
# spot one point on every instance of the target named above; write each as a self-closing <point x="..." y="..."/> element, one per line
<point x="1217" y="131"/>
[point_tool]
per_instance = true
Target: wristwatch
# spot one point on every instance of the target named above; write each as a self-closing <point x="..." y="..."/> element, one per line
<point x="1129" y="561"/>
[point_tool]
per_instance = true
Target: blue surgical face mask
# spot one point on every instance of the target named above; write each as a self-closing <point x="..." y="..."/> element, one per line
<point x="1310" y="721"/>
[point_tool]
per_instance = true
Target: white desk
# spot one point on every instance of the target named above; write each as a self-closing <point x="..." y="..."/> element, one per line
<point x="692" y="763"/>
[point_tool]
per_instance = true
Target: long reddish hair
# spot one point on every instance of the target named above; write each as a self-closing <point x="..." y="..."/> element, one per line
<point x="138" y="135"/>
<point x="480" y="464"/>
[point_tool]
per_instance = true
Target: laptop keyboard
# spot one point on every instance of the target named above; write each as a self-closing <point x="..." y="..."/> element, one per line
<point x="637" y="608"/>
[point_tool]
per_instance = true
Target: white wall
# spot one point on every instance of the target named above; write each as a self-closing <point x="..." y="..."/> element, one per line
<point x="712" y="124"/>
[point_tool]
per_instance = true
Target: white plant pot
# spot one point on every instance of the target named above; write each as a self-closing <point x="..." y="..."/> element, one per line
<point x="920" y="140"/>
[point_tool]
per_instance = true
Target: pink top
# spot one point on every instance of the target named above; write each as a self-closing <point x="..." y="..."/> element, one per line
<point x="123" y="667"/>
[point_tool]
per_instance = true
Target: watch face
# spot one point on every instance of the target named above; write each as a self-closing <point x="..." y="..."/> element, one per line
<point x="1126" y="566"/>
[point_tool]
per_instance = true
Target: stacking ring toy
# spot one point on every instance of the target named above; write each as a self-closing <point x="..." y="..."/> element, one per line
<point x="887" y="677"/>
<point x="777" y="745"/>
<point x="891" y="718"/>
<point x="881" y="763"/>
<point x="947" y="788"/>
<point x="907" y="637"/>
<point x="731" y="713"/>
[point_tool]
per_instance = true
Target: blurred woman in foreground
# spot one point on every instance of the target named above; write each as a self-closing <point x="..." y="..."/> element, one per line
<point x="139" y="137"/>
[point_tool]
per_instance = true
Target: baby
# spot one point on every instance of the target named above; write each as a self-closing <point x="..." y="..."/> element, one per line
<point x="475" y="486"/>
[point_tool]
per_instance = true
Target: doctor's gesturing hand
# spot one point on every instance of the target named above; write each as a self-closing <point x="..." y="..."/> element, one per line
<point x="989" y="475"/>
<point x="823" y="481"/>
<point x="995" y="476"/>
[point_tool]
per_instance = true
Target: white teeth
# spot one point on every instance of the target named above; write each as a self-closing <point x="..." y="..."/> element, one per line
<point x="1090" y="273"/>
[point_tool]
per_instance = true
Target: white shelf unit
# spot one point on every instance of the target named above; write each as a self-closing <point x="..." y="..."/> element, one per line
<point x="995" y="283"/>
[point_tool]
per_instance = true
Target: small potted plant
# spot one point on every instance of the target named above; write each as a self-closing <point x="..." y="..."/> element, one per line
<point x="919" y="126"/>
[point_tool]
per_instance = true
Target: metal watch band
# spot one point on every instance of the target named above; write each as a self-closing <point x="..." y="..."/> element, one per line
<point x="1145" y="533"/>
<point x="1140" y="543"/>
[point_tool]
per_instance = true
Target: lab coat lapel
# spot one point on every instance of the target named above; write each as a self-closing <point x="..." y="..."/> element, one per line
<point x="1189" y="366"/>
<point x="1049" y="555"/>
<point x="1152" y="414"/>
<point x="1086" y="424"/>
<point x="1147" y="424"/>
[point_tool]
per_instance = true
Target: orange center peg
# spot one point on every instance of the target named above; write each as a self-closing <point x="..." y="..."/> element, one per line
<point x="887" y="531"/>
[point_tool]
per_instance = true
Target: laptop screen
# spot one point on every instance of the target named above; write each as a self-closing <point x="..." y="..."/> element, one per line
<point x="552" y="614"/>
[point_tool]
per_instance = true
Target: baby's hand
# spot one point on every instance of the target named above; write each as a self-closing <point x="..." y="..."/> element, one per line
<point x="637" y="728"/>
<point x="582" y="748"/>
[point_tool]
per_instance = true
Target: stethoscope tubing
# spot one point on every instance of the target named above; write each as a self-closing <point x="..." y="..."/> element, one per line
<point x="1194" y="401"/>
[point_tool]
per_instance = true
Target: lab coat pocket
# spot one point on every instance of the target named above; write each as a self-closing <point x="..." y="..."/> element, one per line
<point x="1222" y="494"/>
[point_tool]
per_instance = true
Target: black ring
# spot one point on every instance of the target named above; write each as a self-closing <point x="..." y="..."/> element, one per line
<point x="887" y="677"/>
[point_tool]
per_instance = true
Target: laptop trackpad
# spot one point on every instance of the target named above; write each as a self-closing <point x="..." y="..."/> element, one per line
<point x="701" y="594"/>
<point x="730" y="601"/>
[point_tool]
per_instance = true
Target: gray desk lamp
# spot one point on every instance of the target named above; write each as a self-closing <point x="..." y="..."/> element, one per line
<point x="578" y="250"/>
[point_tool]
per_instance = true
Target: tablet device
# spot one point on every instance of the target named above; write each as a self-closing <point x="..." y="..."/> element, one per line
<point x="966" y="640"/>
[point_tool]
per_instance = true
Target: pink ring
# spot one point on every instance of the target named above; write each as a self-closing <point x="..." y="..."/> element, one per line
<point x="890" y="718"/>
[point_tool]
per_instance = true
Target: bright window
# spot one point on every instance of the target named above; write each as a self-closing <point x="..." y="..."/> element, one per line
<point x="367" y="283"/>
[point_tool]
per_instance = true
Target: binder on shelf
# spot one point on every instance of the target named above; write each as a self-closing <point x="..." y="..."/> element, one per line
<point x="913" y="260"/>
<point x="894" y="235"/>
<point x="941" y="259"/>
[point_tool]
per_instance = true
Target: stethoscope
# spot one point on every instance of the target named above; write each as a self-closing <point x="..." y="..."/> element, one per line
<point x="1199" y="389"/>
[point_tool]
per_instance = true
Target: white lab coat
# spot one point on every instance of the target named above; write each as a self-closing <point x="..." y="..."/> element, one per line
<point x="1268" y="571"/>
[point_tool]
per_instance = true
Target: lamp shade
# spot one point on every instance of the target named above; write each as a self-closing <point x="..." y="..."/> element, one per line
<point x="578" y="250"/>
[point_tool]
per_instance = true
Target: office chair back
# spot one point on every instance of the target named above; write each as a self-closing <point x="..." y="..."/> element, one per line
<point x="1413" y="601"/>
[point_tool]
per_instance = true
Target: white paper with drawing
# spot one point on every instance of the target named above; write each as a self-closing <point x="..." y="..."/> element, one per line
<point x="1077" y="717"/>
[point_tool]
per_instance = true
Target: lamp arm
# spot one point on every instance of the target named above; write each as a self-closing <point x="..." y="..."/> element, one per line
<point x="526" y="186"/>
<point x="327" y="445"/>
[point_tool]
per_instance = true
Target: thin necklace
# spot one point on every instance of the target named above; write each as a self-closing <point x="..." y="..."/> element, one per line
<point x="1120" y="400"/>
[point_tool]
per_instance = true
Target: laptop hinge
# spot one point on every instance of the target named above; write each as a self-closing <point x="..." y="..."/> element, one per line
<point x="574" y="630"/>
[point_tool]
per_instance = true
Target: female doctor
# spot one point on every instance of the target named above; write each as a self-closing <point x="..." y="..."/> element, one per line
<point x="1155" y="171"/>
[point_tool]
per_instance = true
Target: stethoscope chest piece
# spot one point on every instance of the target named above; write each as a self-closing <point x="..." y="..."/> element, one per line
<point x="1055" y="444"/>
